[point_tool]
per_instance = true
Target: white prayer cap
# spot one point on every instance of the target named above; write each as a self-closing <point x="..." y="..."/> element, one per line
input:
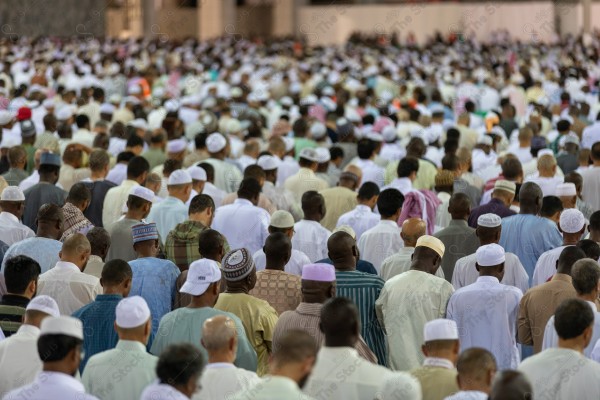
<point x="319" y="272"/>
<point x="215" y="142"/>
<point x="389" y="133"/>
<point x="197" y="173"/>
<point x="179" y="177"/>
<point x="328" y="91"/>
<point x="571" y="220"/>
<point x="490" y="255"/>
<point x="309" y="154"/>
<point x="201" y="274"/>
<point x="489" y="220"/>
<point x="566" y="189"/>
<point x="142" y="192"/>
<point x="318" y="130"/>
<point x="568" y="138"/>
<point x="176" y="145"/>
<point x="323" y="155"/>
<point x="236" y="92"/>
<point x="485" y="140"/>
<point x="64" y="113"/>
<point x="289" y="144"/>
<point x="132" y="100"/>
<point x="107" y="108"/>
<point x="48" y="103"/>
<point x="440" y="329"/>
<point x="233" y="126"/>
<point x="45" y="304"/>
<point x="114" y="98"/>
<point x="139" y="123"/>
<point x="375" y="137"/>
<point x="352" y="115"/>
<point x="545" y="152"/>
<point x="309" y="100"/>
<point x="268" y="163"/>
<point x="282" y="219"/>
<point x="171" y="105"/>
<point x="12" y="193"/>
<point x="347" y="229"/>
<point x="64" y="325"/>
<point x="132" y="312"/>
<point x="433" y="243"/>
<point x="286" y="101"/>
<point x="507" y="186"/>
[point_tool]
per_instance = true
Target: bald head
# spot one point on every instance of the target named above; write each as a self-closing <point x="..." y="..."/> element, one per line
<point x="76" y="249"/>
<point x="476" y="368"/>
<point x="412" y="229"/>
<point x="353" y="169"/>
<point x="530" y="198"/>
<point x="459" y="206"/>
<point x="217" y="333"/>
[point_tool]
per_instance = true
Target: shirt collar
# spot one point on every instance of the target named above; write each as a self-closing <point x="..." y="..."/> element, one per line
<point x="10" y="216"/>
<point x="458" y="222"/>
<point x="245" y="202"/>
<point x="562" y="277"/>
<point x="174" y="199"/>
<point x="109" y="297"/>
<point x="388" y="222"/>
<point x="164" y="391"/>
<point x="28" y="330"/>
<point x="362" y="207"/>
<point x="131" y="345"/>
<point x="67" y="265"/>
<point x="220" y="365"/>
<point x="491" y="279"/>
<point x="438" y="362"/>
<point x="282" y="384"/>
<point x="60" y="379"/>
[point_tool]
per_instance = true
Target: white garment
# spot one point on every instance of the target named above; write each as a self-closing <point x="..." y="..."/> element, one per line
<point x="220" y="380"/>
<point x="399" y="263"/>
<point x="52" y="385"/>
<point x="442" y="215"/>
<point x="271" y="388"/>
<point x="515" y="275"/>
<point x="591" y="186"/>
<point x="361" y="219"/>
<point x="84" y="137"/>
<point x="71" y="288"/>
<point x="340" y="373"/>
<point x="311" y="239"/>
<point x="116" y="146"/>
<point x="371" y="172"/>
<point x="19" y="359"/>
<point x="522" y="153"/>
<point x="215" y="193"/>
<point x="486" y="314"/>
<point x="243" y="225"/>
<point x="303" y="181"/>
<point x="117" y="174"/>
<point x="12" y="230"/>
<point x="480" y="160"/>
<point x="287" y="168"/>
<point x="227" y="176"/>
<point x="551" y="337"/>
<point x="245" y="161"/>
<point x="562" y="374"/>
<point x="30" y="181"/>
<point x="545" y="267"/>
<point x="392" y="152"/>
<point x="590" y="135"/>
<point x="406" y="302"/>
<point x="468" y="395"/>
<point x="161" y="391"/>
<point x="489" y="98"/>
<point x="115" y="200"/>
<point x="294" y="266"/>
<point x="380" y="242"/>
<point x="548" y="185"/>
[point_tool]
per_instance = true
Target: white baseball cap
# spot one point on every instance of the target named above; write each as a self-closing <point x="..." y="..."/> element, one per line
<point x="201" y="274"/>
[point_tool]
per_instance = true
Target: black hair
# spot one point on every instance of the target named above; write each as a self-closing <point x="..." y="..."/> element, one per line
<point x="115" y="272"/>
<point x="125" y="156"/>
<point x="572" y="317"/>
<point x="200" y="203"/>
<point x="389" y="202"/>
<point x="56" y="347"/>
<point x="336" y="152"/>
<point x="550" y="206"/>
<point x="365" y="148"/>
<point x="407" y="166"/>
<point x="249" y="189"/>
<point x="134" y="140"/>
<point x="82" y="120"/>
<point x="78" y="194"/>
<point x="368" y="190"/>
<point x="590" y="248"/>
<point x="179" y="363"/>
<point x="137" y="167"/>
<point x="19" y="271"/>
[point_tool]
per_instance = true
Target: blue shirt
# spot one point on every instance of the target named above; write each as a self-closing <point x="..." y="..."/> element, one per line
<point x="155" y="280"/>
<point x="43" y="250"/>
<point x="528" y="237"/>
<point x="98" y="320"/>
<point x="167" y="214"/>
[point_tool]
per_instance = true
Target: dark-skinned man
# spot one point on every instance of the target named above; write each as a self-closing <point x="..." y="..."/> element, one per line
<point x="12" y="202"/>
<point x="311" y="237"/>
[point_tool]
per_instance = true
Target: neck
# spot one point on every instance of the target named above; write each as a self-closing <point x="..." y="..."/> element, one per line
<point x="471" y="383"/>
<point x="595" y="236"/>
<point x="201" y="302"/>
<point x="196" y="217"/>
<point x="596" y="163"/>
<point x="345" y="265"/>
<point x="20" y="295"/>
<point x="177" y="195"/>
<point x="546" y="174"/>
<point x="134" y="214"/>
<point x="570" y="239"/>
<point x="409" y="244"/>
<point x="113" y="290"/>
<point x="237" y="289"/>
<point x="572" y="344"/>
<point x="223" y="356"/>
<point x="315" y="299"/>
<point x="446" y="355"/>
<point x="46" y="233"/>
<point x="529" y="210"/>
<point x="589" y="296"/>
<point x="57" y="366"/>
<point x="97" y="175"/>
<point x="134" y="337"/>
<point x="288" y="371"/>
<point x="316" y="218"/>
<point x="275" y="265"/>
<point x="74" y="263"/>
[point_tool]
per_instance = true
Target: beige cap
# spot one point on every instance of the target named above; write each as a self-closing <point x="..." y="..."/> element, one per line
<point x="433" y="243"/>
<point x="281" y="219"/>
<point x="505" y="185"/>
<point x="345" y="228"/>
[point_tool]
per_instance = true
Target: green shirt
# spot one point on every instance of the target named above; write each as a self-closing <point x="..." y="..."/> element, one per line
<point x="155" y="157"/>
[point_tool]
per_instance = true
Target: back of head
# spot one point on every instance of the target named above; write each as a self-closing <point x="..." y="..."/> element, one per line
<point x="82" y="120"/>
<point x="459" y="206"/>
<point x="595" y="152"/>
<point x="312" y="202"/>
<point x="115" y="272"/>
<point x="367" y="191"/>
<point x="72" y="155"/>
<point x="99" y="239"/>
<point x="209" y="241"/>
<point x="569" y="256"/>
<point x="136" y="167"/>
<point x="546" y="163"/>
<point x="339" y="322"/>
<point x="530" y="196"/>
<point x="511" y="385"/>
<point x="585" y="274"/>
<point x="50" y="213"/>
<point x="178" y="364"/>
<point x="339" y="245"/>
<point x="576" y="179"/>
<point x="217" y="333"/>
<point x="200" y="203"/>
<point x="389" y="202"/>
<point x="249" y="189"/>
<point x="595" y="221"/>
<point x="450" y="162"/>
<point x="170" y="165"/>
<point x="511" y="168"/>
<point x="54" y="348"/>
<point x="294" y="346"/>
<point x="365" y="148"/>
<point x="407" y="166"/>
<point x="99" y="159"/>
<point x="254" y="171"/>
<point x="79" y="194"/>
<point x="475" y="364"/>
<point x="590" y="247"/>
<point x="75" y="244"/>
<point x="210" y="171"/>
<point x="19" y="271"/>
<point x="278" y="246"/>
<point x="16" y="155"/>
<point x="572" y="318"/>
<point x="550" y="206"/>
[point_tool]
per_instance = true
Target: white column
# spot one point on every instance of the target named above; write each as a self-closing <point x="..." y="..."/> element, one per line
<point x="217" y="17"/>
<point x="586" y="5"/>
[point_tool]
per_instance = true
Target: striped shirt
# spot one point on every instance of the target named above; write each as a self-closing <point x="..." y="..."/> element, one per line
<point x="364" y="290"/>
<point x="307" y="317"/>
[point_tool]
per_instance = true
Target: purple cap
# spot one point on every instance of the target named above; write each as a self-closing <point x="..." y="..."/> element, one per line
<point x="318" y="272"/>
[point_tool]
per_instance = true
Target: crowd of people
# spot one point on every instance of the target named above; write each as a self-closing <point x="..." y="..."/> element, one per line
<point x="238" y="219"/>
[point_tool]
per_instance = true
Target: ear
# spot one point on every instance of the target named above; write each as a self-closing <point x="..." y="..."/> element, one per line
<point x="424" y="350"/>
<point x="202" y="343"/>
<point x="115" y="326"/>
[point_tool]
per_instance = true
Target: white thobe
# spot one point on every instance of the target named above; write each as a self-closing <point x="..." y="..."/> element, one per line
<point x="294" y="266"/>
<point x="167" y="214"/>
<point x="468" y="395"/>
<point x="216" y="194"/>
<point x="392" y="152"/>
<point x="220" y="380"/>
<point x="480" y="160"/>
<point x="115" y="200"/>
<point x="161" y="391"/>
<point x="117" y="174"/>
<point x="486" y="314"/>
<point x="442" y="215"/>
<point x="302" y="182"/>
<point x="12" y="230"/>
<point x="545" y="267"/>
<point x="243" y="225"/>
<point x="245" y="161"/>
<point x="371" y="172"/>
<point x="71" y="288"/>
<point x="19" y="359"/>
<point x="523" y="153"/>
<point x="562" y="374"/>
<point x="515" y="275"/>
<point x="271" y="388"/>
<point x="551" y="337"/>
<point x="548" y="185"/>
<point x="591" y="186"/>
<point x="406" y="303"/>
<point x="340" y="373"/>
<point x="380" y="242"/>
<point x="311" y="239"/>
<point x="287" y="168"/>
<point x="590" y="135"/>
<point x="227" y="176"/>
<point x="399" y="263"/>
<point x="84" y="137"/>
<point x="361" y="219"/>
<point x="52" y="385"/>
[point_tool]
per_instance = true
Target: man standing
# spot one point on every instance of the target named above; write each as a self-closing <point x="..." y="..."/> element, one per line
<point x="77" y="201"/>
<point x="310" y="236"/>
<point x="341" y="198"/>
<point x="305" y="179"/>
<point x="409" y="300"/>
<point x="221" y="377"/>
<point x="185" y="324"/>
<point x="122" y="372"/>
<point x="98" y="184"/>
<point x="280" y="197"/>
<point x="383" y="240"/>
<point x="476" y="369"/>
<point x="437" y="376"/>
<point x="243" y="223"/>
<point x="502" y="198"/>
<point x="17" y="159"/>
<point x="278" y="288"/>
<point x="489" y="228"/>
<point x="172" y="210"/>
<point x="361" y="287"/>
<point x="226" y="176"/>
<point x="153" y="278"/>
<point x="257" y="316"/>
<point x="12" y="203"/>
<point x="551" y="372"/>
<point x="66" y="283"/>
<point x="539" y="303"/>
<point x="488" y="306"/>
<point x="362" y="218"/>
<point x="591" y="179"/>
<point x="98" y="317"/>
<point x="100" y="241"/>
